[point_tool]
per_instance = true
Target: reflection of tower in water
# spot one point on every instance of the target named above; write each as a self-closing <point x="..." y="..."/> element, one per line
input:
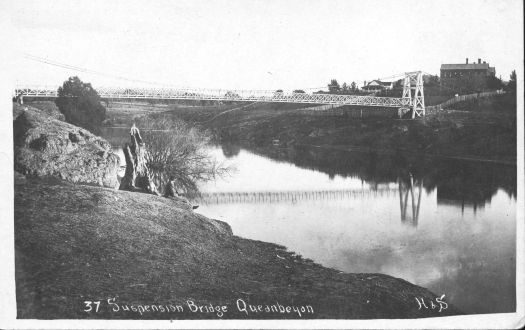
<point x="407" y="187"/>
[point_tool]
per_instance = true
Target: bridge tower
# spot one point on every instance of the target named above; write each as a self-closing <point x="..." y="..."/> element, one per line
<point x="414" y="81"/>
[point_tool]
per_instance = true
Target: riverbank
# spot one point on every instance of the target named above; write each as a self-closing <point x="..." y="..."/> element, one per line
<point x="477" y="140"/>
<point x="85" y="251"/>
<point x="482" y="129"/>
<point x="79" y="243"/>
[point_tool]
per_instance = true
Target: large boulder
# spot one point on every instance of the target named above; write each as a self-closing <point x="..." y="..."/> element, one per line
<point x="48" y="108"/>
<point x="45" y="146"/>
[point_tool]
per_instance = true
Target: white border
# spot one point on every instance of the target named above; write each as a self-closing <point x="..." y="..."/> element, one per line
<point x="7" y="284"/>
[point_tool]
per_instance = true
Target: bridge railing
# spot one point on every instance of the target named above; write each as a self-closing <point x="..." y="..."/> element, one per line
<point x="225" y="95"/>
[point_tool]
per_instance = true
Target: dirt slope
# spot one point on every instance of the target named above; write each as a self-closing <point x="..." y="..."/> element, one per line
<point x="77" y="243"/>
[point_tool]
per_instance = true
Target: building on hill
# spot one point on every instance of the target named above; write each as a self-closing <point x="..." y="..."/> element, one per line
<point x="377" y="85"/>
<point x="467" y="76"/>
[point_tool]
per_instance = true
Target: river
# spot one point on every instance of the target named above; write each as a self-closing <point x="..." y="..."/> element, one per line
<point x="463" y="248"/>
<point x="446" y="225"/>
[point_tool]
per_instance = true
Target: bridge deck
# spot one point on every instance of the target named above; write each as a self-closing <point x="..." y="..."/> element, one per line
<point x="225" y="95"/>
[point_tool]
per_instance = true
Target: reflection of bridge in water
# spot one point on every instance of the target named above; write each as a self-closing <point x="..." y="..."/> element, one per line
<point x="404" y="189"/>
<point x="293" y="196"/>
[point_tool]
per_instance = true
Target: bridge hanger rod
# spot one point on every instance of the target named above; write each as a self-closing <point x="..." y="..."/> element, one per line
<point x="51" y="62"/>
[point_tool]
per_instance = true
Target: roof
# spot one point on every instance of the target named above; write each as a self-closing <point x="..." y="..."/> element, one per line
<point x="378" y="82"/>
<point x="470" y="66"/>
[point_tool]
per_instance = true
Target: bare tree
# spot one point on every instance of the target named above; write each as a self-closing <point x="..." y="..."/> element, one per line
<point x="177" y="156"/>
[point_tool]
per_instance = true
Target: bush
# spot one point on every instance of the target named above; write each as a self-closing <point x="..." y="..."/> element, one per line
<point x="511" y="86"/>
<point x="80" y="104"/>
<point x="178" y="152"/>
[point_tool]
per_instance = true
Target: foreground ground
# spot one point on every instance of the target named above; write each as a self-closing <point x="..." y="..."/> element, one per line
<point x="77" y="243"/>
<point x="84" y="251"/>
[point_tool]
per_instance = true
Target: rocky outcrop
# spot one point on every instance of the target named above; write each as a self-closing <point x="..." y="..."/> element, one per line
<point x="45" y="146"/>
<point x="48" y="108"/>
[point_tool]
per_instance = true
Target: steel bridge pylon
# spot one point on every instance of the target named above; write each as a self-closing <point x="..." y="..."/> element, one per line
<point x="416" y="100"/>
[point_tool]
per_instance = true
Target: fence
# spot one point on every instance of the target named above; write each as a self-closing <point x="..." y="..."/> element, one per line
<point x="347" y="111"/>
<point x="338" y="110"/>
<point x="461" y="98"/>
<point x="324" y="107"/>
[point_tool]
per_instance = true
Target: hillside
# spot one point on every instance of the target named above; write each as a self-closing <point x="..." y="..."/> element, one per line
<point x="482" y="129"/>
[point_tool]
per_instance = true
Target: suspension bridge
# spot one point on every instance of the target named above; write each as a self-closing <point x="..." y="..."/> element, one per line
<point x="412" y="98"/>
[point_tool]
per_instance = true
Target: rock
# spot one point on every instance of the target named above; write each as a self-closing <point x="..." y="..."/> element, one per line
<point x="171" y="192"/>
<point x="48" y="108"/>
<point x="223" y="227"/>
<point x="46" y="146"/>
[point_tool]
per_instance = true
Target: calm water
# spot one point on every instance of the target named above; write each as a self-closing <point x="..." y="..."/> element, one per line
<point x="459" y="243"/>
<point x="446" y="225"/>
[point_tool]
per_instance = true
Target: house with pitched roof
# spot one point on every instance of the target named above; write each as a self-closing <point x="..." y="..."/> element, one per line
<point x="377" y="85"/>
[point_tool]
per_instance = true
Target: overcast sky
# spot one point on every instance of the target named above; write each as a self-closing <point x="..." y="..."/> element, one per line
<point x="260" y="44"/>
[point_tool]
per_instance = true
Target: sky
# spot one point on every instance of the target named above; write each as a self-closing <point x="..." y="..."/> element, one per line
<point x="263" y="45"/>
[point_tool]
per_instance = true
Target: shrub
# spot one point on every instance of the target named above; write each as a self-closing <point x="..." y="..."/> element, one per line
<point x="80" y="104"/>
<point x="178" y="152"/>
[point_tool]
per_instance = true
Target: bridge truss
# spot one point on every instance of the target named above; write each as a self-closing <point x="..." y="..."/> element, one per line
<point x="413" y="101"/>
<point x="223" y="95"/>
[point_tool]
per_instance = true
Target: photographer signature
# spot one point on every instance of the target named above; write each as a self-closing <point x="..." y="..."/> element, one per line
<point x="429" y="303"/>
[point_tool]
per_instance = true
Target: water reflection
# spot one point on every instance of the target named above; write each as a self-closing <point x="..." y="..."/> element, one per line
<point x="404" y="190"/>
<point x="443" y="224"/>
<point x="230" y="150"/>
<point x="291" y="196"/>
<point x="458" y="182"/>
